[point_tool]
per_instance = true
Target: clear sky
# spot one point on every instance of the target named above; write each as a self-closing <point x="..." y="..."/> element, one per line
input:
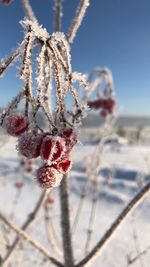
<point x="114" y="34"/>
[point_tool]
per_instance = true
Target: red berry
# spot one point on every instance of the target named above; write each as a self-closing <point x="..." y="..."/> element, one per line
<point x="22" y="162"/>
<point x="16" y="124"/>
<point x="49" y="200"/>
<point x="109" y="104"/>
<point x="64" y="165"/>
<point x="70" y="138"/>
<point x="29" y="169"/>
<point x="29" y="145"/>
<point x="52" y="148"/>
<point x="104" y="113"/>
<point x="95" y="104"/>
<point x="48" y="177"/>
<point x="6" y="1"/>
<point x="19" y="185"/>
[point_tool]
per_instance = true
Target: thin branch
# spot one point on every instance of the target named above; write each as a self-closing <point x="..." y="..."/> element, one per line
<point x="65" y="223"/>
<point x="13" y="104"/>
<point x="139" y="197"/>
<point x="26" y="224"/>
<point x="29" y="239"/>
<point x="80" y="12"/>
<point x="8" y="61"/>
<point x="131" y="261"/>
<point x="29" y="11"/>
<point x="57" y="15"/>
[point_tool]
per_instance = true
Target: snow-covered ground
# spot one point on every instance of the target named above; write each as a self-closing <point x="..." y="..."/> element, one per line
<point x="123" y="170"/>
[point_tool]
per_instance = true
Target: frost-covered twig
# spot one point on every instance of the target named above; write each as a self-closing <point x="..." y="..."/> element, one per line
<point x="51" y="235"/>
<point x="57" y="15"/>
<point x="13" y="104"/>
<point x="21" y="233"/>
<point x="92" y="213"/>
<point x="80" y="12"/>
<point x="139" y="197"/>
<point x="143" y="252"/>
<point x="25" y="225"/>
<point x="8" y="61"/>
<point x="28" y="11"/>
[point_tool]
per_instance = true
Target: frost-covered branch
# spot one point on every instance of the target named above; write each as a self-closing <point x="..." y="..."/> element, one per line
<point x="80" y="12"/>
<point x="139" y="197"/>
<point x="25" y="225"/>
<point x="21" y="233"/>
<point x="7" y="62"/>
<point x="29" y="11"/>
<point x="57" y="15"/>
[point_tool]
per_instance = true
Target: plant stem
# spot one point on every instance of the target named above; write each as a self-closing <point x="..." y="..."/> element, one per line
<point x="135" y="201"/>
<point x="65" y="223"/>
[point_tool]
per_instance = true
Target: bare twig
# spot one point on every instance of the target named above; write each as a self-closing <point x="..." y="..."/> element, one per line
<point x="28" y="11"/>
<point x="65" y="223"/>
<point x="80" y="12"/>
<point x="27" y="237"/>
<point x="131" y="261"/>
<point x="139" y="197"/>
<point x="8" y="61"/>
<point x="57" y="15"/>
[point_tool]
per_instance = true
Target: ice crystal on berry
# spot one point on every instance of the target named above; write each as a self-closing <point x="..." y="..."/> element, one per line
<point x="48" y="177"/>
<point x="29" y="145"/>
<point x="15" y="124"/>
<point x="52" y="148"/>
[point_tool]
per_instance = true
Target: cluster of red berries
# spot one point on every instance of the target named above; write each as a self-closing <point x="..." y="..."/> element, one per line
<point x="105" y="104"/>
<point x="54" y="149"/>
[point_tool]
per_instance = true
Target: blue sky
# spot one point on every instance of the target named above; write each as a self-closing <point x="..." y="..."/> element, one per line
<point x="114" y="34"/>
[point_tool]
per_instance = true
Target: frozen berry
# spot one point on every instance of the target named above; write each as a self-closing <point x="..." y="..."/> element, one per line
<point x="104" y="113"/>
<point x="29" y="145"/>
<point x="70" y="138"/>
<point x="48" y="177"/>
<point x="52" y="148"/>
<point x="49" y="200"/>
<point x="16" y="124"/>
<point x="95" y="104"/>
<point x="19" y="185"/>
<point x="109" y="104"/>
<point x="29" y="169"/>
<point x="6" y="1"/>
<point x="64" y="165"/>
<point x="22" y="162"/>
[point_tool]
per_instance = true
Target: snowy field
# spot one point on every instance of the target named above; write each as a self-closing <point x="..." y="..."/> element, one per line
<point x="124" y="169"/>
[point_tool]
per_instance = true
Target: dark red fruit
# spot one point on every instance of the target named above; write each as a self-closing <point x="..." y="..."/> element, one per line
<point x="6" y="1"/>
<point x="109" y="104"/>
<point x="29" y="169"/>
<point x="48" y="177"/>
<point x="29" y="145"/>
<point x="70" y="138"/>
<point x="16" y="124"/>
<point x="19" y="185"/>
<point x="95" y="104"/>
<point x="64" y="165"/>
<point x="104" y="113"/>
<point x="52" y="148"/>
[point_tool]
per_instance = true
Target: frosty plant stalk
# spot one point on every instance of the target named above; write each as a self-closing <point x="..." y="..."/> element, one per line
<point x="54" y="79"/>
